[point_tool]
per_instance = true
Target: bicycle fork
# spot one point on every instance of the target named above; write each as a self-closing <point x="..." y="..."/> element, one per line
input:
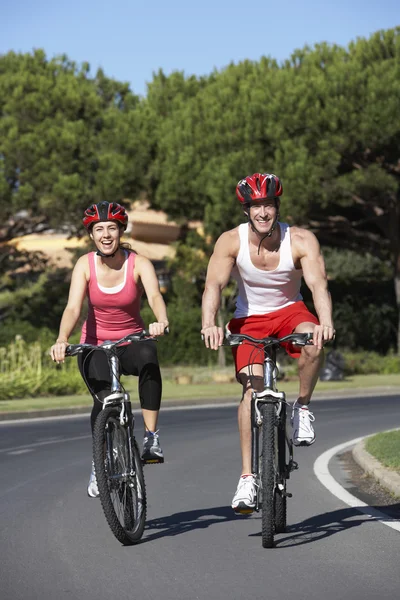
<point x="116" y="394"/>
<point x="272" y="396"/>
<point x="126" y="417"/>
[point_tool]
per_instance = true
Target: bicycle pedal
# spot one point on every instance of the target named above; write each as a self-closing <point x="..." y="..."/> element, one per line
<point x="287" y="494"/>
<point x="152" y="461"/>
<point x="243" y="511"/>
<point x="294" y="465"/>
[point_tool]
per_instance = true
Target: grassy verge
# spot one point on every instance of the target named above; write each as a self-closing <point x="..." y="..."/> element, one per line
<point x="196" y="390"/>
<point x="386" y="448"/>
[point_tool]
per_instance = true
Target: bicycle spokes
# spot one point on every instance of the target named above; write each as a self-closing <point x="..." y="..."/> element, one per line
<point x="120" y="480"/>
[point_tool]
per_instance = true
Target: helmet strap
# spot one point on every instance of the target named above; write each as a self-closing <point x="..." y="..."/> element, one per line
<point x="100" y="253"/>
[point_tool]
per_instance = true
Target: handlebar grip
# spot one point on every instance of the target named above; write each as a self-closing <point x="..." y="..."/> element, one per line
<point x="146" y="332"/>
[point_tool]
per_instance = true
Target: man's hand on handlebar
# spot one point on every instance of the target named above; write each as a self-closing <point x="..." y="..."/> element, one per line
<point x="213" y="337"/>
<point x="322" y="334"/>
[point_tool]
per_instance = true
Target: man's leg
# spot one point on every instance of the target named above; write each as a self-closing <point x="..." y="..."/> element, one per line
<point x="244" y="499"/>
<point x="244" y="411"/>
<point x="310" y="363"/>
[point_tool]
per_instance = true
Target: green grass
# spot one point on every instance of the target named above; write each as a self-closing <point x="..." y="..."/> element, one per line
<point x="386" y="448"/>
<point x="200" y="389"/>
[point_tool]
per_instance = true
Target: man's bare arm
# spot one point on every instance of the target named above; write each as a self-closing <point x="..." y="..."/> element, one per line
<point x="313" y="265"/>
<point x="218" y="273"/>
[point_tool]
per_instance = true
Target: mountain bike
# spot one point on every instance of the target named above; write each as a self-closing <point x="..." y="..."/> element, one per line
<point x="272" y="461"/>
<point x="116" y="457"/>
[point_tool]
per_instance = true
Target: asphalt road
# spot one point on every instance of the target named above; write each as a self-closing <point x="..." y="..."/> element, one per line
<point x="55" y="543"/>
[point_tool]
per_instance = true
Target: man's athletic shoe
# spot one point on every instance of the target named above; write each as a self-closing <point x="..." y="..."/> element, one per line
<point x="93" y="490"/>
<point x="244" y="500"/>
<point x="303" y="431"/>
<point x="152" y="452"/>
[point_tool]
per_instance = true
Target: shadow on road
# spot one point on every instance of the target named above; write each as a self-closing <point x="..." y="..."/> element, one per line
<point x="309" y="531"/>
<point x="190" y="520"/>
<point x="327" y="524"/>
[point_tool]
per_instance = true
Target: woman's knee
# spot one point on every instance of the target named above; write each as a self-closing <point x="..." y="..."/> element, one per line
<point x="147" y="353"/>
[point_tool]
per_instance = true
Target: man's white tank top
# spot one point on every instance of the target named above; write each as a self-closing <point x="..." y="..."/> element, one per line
<point x="262" y="292"/>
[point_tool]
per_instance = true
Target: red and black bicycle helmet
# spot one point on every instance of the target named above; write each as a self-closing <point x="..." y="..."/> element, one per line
<point x="257" y="187"/>
<point x="105" y="211"/>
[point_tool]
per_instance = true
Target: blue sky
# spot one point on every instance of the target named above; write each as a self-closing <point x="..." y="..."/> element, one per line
<point x="130" y="39"/>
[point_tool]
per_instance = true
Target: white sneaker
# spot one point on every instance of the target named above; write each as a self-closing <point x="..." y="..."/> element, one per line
<point x="93" y="490"/>
<point x="244" y="499"/>
<point x="303" y="432"/>
<point x="152" y="452"/>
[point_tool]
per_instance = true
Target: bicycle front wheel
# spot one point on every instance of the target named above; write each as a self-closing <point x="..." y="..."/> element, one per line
<point x="268" y="471"/>
<point x="280" y="492"/>
<point x="119" y="476"/>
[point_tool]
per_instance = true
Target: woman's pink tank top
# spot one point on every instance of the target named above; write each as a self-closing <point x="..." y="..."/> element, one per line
<point x="112" y="316"/>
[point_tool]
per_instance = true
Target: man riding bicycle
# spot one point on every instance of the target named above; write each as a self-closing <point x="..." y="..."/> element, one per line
<point x="268" y="260"/>
<point x="113" y="278"/>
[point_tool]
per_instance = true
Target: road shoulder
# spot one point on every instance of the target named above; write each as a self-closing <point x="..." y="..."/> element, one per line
<point x="385" y="477"/>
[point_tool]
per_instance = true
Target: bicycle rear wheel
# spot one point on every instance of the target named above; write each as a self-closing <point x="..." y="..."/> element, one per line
<point x="268" y="474"/>
<point x="280" y="492"/>
<point x="119" y="476"/>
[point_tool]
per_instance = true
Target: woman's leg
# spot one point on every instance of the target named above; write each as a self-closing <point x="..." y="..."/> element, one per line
<point x="95" y="371"/>
<point x="141" y="359"/>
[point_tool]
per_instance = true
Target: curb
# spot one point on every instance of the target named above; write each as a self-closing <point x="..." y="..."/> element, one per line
<point x="385" y="477"/>
<point x="340" y="394"/>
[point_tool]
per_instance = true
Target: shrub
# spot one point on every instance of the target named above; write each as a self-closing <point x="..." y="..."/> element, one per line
<point x="183" y="345"/>
<point x="364" y="363"/>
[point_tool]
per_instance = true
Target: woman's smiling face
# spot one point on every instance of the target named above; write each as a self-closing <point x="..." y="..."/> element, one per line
<point x="106" y="235"/>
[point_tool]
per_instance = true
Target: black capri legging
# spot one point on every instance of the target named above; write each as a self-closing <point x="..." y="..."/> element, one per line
<point x="138" y="359"/>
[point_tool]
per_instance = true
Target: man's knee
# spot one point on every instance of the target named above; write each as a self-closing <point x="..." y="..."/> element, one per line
<point x="250" y="383"/>
<point x="312" y="353"/>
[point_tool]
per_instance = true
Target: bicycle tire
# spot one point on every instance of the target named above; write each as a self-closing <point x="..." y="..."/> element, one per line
<point x="280" y="499"/>
<point x="120" y="478"/>
<point x="268" y="474"/>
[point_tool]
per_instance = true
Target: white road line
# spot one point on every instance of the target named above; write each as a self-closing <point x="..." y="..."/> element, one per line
<point x="16" y="452"/>
<point x="136" y="411"/>
<point x="322" y="473"/>
<point x="33" y="445"/>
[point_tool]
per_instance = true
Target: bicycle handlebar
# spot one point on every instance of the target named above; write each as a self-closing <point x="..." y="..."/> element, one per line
<point x="298" y="339"/>
<point x="73" y="349"/>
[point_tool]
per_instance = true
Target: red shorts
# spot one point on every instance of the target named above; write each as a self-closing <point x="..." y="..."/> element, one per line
<point x="275" y="324"/>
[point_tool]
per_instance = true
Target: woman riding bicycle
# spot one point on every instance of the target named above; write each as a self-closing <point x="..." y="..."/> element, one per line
<point x="113" y="278"/>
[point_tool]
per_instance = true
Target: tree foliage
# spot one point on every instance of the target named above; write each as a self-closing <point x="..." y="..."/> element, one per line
<point x="326" y="120"/>
<point x="66" y="140"/>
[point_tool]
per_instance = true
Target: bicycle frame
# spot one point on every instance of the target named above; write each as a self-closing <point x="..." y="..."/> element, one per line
<point x="270" y="395"/>
<point x="116" y="395"/>
<point x="116" y="454"/>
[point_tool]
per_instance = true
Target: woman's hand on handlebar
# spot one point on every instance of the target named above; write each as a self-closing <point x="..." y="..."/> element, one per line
<point x="57" y="351"/>
<point x="156" y="329"/>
